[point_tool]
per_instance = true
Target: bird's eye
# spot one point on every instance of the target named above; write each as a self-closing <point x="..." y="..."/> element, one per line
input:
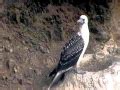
<point x="83" y="19"/>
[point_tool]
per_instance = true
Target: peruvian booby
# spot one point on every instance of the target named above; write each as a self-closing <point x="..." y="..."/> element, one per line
<point x="73" y="51"/>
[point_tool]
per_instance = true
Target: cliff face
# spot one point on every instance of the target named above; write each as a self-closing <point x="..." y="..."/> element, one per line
<point x="32" y="33"/>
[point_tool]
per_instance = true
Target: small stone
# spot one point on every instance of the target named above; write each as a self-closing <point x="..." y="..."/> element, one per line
<point x="28" y="82"/>
<point x="37" y="71"/>
<point x="20" y="81"/>
<point x="110" y="50"/>
<point x="100" y="34"/>
<point x="44" y="49"/>
<point x="6" y="49"/>
<point x="4" y="77"/>
<point x="1" y="49"/>
<point x="118" y="51"/>
<point x="10" y="63"/>
<point x="15" y="70"/>
<point x="99" y="55"/>
<point x="11" y="50"/>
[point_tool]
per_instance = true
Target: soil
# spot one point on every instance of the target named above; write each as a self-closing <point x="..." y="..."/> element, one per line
<point x="31" y="40"/>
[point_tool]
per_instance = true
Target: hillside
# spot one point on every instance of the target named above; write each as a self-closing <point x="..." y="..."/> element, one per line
<point x="33" y="32"/>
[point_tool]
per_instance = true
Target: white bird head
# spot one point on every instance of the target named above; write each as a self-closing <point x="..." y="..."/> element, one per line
<point x="83" y="20"/>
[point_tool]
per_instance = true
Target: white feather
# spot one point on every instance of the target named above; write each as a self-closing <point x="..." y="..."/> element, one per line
<point x="84" y="32"/>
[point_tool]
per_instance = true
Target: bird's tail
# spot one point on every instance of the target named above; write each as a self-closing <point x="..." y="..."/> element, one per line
<point x="58" y="77"/>
<point x="53" y="73"/>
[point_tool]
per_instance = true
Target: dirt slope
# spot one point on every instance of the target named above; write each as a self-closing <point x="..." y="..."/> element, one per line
<point x="31" y="38"/>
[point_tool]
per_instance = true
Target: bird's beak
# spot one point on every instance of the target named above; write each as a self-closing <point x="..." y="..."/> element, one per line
<point x="81" y="21"/>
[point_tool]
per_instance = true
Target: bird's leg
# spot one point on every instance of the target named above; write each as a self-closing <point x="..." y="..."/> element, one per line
<point x="79" y="71"/>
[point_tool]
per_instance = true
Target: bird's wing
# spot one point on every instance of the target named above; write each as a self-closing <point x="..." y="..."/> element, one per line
<point x="71" y="52"/>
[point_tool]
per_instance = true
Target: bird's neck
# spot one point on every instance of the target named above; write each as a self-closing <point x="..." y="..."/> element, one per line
<point x="85" y="35"/>
<point x="84" y="31"/>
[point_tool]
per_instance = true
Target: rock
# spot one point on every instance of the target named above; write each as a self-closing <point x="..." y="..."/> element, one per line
<point x="29" y="82"/>
<point x="10" y="63"/>
<point x="1" y="7"/>
<point x="8" y="49"/>
<point x="117" y="50"/>
<point x="1" y="49"/>
<point x="15" y="69"/>
<point x="4" y="77"/>
<point x="100" y="80"/>
<point x="44" y="49"/>
<point x="100" y="34"/>
<point x="11" y="50"/>
<point x="20" y="81"/>
<point x="7" y="39"/>
<point x="57" y="33"/>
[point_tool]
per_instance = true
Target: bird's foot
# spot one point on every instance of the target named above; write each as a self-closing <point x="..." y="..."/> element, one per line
<point x="79" y="71"/>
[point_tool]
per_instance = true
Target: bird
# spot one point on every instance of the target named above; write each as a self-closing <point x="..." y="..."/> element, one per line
<point x="72" y="52"/>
